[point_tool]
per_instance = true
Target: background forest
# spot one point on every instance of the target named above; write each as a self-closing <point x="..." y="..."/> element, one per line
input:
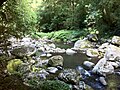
<point x="19" y="17"/>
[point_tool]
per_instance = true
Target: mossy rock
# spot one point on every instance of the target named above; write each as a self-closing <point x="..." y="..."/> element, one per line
<point x="13" y="65"/>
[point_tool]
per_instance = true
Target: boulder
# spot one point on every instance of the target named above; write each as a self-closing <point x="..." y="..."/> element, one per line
<point x="103" y="67"/>
<point x="92" y="52"/>
<point x="23" y="51"/>
<point x="70" y="52"/>
<point x="116" y="40"/>
<point x="69" y="76"/>
<point x="112" y="52"/>
<point x="56" y="61"/>
<point x="88" y="64"/>
<point x="82" y="44"/>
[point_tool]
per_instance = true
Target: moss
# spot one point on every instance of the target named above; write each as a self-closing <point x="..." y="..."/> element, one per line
<point x="13" y="65"/>
<point x="53" y="85"/>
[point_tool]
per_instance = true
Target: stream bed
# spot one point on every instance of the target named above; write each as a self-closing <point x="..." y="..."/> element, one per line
<point x="72" y="61"/>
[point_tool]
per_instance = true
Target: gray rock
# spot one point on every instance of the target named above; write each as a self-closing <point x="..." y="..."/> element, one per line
<point x="103" y="81"/>
<point x="116" y="40"/>
<point x="69" y="76"/>
<point x="23" y="51"/>
<point x="82" y="44"/>
<point x="70" y="52"/>
<point x="52" y="70"/>
<point x="56" y="61"/>
<point x="88" y="64"/>
<point x="103" y="67"/>
<point x="112" y="52"/>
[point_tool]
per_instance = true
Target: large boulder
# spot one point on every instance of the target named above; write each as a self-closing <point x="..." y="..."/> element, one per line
<point x="82" y="44"/>
<point x="116" y="40"/>
<point x="56" y="61"/>
<point x="23" y="51"/>
<point x="112" y="52"/>
<point x="92" y="52"/>
<point x="103" y="67"/>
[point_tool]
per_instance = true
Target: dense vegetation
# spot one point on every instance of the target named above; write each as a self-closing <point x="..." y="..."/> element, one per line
<point x="23" y="17"/>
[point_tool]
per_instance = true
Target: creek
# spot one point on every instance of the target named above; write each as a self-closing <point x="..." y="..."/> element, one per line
<point x="72" y="61"/>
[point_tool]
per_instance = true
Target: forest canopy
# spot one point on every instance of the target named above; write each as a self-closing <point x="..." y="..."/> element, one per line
<point x="20" y="17"/>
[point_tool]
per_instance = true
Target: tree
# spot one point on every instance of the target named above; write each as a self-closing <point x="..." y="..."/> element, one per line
<point x="16" y="19"/>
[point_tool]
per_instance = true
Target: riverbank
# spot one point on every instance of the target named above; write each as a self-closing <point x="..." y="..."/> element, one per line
<point x="41" y="61"/>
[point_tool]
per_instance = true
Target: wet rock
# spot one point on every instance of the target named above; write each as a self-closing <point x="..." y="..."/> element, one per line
<point x="81" y="85"/>
<point x="88" y="64"/>
<point x="83" y="72"/>
<point x="92" y="52"/>
<point x="70" y="52"/>
<point x="69" y="76"/>
<point x="52" y="70"/>
<point x="56" y="61"/>
<point x="82" y="44"/>
<point x="103" y="81"/>
<point x="116" y="40"/>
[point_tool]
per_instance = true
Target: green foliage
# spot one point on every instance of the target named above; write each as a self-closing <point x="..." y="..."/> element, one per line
<point x="51" y="85"/>
<point x="63" y="35"/>
<point x="13" y="65"/>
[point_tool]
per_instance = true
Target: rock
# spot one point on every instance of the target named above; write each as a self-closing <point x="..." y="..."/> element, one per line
<point x="23" y="51"/>
<point x="103" y="81"/>
<point x="92" y="52"/>
<point x="116" y="40"/>
<point x="81" y="85"/>
<point x="92" y="37"/>
<point x="103" y="67"/>
<point x="13" y="65"/>
<point x="70" y="52"/>
<point x="112" y="52"/>
<point x="52" y="45"/>
<point x="56" y="61"/>
<point x="49" y="55"/>
<point x="88" y="64"/>
<point x="83" y="72"/>
<point x="41" y="75"/>
<point x="69" y="76"/>
<point x="59" y="50"/>
<point x="114" y="64"/>
<point x="52" y="70"/>
<point x="56" y="51"/>
<point x="82" y="44"/>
